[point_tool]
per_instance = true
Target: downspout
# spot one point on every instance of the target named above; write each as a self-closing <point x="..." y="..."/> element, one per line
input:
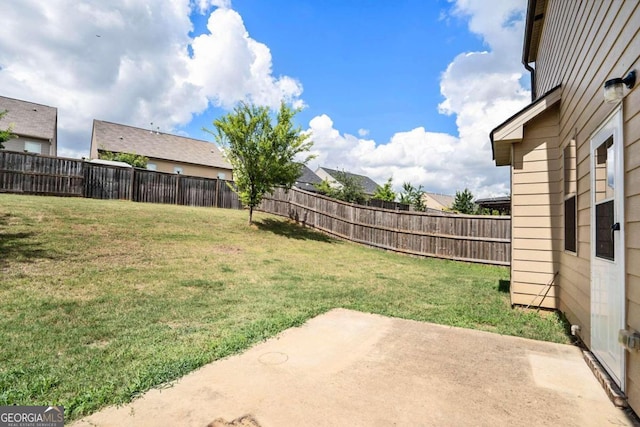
<point x="531" y="17"/>
<point x="532" y="71"/>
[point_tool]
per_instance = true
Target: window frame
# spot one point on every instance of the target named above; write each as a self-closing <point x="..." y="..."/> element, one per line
<point x="39" y="144"/>
<point x="570" y="196"/>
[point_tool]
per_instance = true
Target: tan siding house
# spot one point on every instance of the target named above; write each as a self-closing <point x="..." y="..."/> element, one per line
<point x="166" y="152"/>
<point x="575" y="177"/>
<point x="441" y="202"/>
<point x="35" y="125"/>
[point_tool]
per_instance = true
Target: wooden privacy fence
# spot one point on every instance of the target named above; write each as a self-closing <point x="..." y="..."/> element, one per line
<point x="30" y="173"/>
<point x="34" y="174"/>
<point x="481" y="239"/>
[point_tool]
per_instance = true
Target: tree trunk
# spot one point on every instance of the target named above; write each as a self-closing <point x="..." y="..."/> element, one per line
<point x="250" y="215"/>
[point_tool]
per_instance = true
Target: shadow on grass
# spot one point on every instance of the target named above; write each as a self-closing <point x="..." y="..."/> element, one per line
<point x="19" y="246"/>
<point x="504" y="286"/>
<point x="291" y="230"/>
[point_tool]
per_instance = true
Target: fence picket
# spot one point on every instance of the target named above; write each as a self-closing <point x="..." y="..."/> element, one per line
<point x="35" y="174"/>
<point x="481" y="239"/>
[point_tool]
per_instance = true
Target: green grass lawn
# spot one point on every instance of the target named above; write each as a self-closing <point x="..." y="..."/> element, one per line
<point x="102" y="300"/>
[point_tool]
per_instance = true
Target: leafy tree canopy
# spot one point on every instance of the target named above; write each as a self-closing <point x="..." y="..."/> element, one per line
<point x="349" y="189"/>
<point x="413" y="196"/>
<point x="324" y="187"/>
<point x="261" y="152"/>
<point x="5" y="134"/>
<point x="135" y="160"/>
<point x="463" y="202"/>
<point x="385" y="192"/>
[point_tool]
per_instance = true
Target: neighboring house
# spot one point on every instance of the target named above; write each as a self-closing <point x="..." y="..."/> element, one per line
<point x="332" y="176"/>
<point x="166" y="152"/>
<point x="440" y="202"/>
<point x="35" y="125"/>
<point x="307" y="180"/>
<point x="501" y="204"/>
<point x="575" y="177"/>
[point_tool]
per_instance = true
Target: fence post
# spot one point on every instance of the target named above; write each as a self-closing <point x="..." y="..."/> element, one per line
<point x="217" y="202"/>
<point x="397" y="231"/>
<point x="131" y="179"/>
<point x="82" y="168"/>
<point x="85" y="180"/>
<point x="352" y="226"/>
<point x="177" y="187"/>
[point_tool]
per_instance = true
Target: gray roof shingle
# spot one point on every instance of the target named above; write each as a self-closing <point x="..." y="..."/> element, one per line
<point x="369" y="185"/>
<point x="128" y="139"/>
<point x="307" y="180"/>
<point x="28" y="118"/>
<point x="308" y="176"/>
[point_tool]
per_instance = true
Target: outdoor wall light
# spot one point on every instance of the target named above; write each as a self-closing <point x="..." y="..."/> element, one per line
<point x="613" y="90"/>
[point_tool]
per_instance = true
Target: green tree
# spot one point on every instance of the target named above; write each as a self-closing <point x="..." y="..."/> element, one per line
<point x="324" y="187"/>
<point x="349" y="188"/>
<point x="135" y="160"/>
<point x="413" y="196"/>
<point x="463" y="202"/>
<point x="385" y="192"/>
<point x="5" y="134"/>
<point x="261" y="153"/>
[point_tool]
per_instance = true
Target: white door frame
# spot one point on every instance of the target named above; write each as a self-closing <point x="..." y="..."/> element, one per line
<point x="608" y="286"/>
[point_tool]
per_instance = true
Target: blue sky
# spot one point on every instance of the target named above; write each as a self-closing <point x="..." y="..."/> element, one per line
<point x="367" y="64"/>
<point x="406" y="89"/>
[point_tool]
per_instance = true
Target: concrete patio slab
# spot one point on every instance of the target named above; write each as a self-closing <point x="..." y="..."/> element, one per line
<point x="346" y="368"/>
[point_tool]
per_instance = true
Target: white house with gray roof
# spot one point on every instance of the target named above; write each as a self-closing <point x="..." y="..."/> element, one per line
<point x="34" y="125"/>
<point x="166" y="152"/>
<point x="332" y="175"/>
<point x="307" y="180"/>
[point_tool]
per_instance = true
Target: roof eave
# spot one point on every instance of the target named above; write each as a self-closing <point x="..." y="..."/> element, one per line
<point x="533" y="28"/>
<point x="512" y="130"/>
<point x="166" y="159"/>
<point x="26" y="135"/>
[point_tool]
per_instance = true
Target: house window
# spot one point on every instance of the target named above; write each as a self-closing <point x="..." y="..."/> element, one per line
<point x="604" y="184"/>
<point x="33" y="147"/>
<point x="570" y="205"/>
<point x="222" y="175"/>
<point x="152" y="166"/>
<point x="177" y="169"/>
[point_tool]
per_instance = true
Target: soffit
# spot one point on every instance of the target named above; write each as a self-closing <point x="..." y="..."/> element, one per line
<point x="512" y="130"/>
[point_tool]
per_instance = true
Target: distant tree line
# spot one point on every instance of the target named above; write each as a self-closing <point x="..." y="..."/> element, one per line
<point x="350" y="189"/>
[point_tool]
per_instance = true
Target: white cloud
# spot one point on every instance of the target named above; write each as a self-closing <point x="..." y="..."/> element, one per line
<point x="129" y="62"/>
<point x="229" y="65"/>
<point x="204" y="5"/>
<point x="481" y="89"/>
<point x="431" y="159"/>
<point x="500" y="24"/>
<point x="363" y="132"/>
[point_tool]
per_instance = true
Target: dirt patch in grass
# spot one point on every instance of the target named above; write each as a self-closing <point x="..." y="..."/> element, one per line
<point x="542" y="312"/>
<point x="222" y="249"/>
<point x="99" y="344"/>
